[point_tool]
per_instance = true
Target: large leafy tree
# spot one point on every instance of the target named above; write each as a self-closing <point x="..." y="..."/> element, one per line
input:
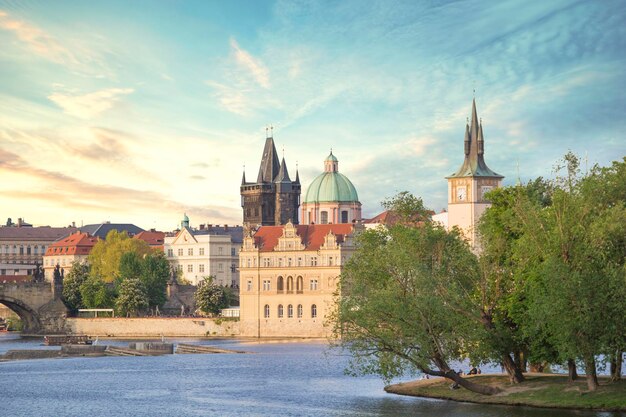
<point x="132" y="297"/>
<point x="72" y="282"/>
<point x="96" y="294"/>
<point x="155" y="272"/>
<point x="106" y="255"/>
<point x="211" y="298"/>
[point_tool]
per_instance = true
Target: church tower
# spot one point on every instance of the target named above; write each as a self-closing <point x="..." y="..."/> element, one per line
<point x="467" y="186"/>
<point x="273" y="199"/>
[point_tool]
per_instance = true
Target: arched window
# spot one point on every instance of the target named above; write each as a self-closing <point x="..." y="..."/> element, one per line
<point x="289" y="311"/>
<point x="299" y="284"/>
<point x="280" y="311"/>
<point x="299" y="311"/>
<point x="267" y="311"/>
<point x="324" y="217"/>
<point x="289" y="284"/>
<point x="281" y="284"/>
<point x="313" y="311"/>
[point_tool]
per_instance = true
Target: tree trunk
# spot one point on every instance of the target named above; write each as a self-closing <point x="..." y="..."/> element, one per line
<point x="446" y="372"/>
<point x="616" y="366"/>
<point x="515" y="373"/>
<point x="520" y="360"/>
<point x="590" y="371"/>
<point x="537" y="366"/>
<point x="572" y="375"/>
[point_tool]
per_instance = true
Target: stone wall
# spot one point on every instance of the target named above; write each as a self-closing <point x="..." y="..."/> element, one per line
<point x="152" y="327"/>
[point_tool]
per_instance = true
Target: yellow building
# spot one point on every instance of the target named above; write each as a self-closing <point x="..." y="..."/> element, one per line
<point x="288" y="276"/>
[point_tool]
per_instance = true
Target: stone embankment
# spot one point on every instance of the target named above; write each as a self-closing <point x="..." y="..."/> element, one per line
<point x="154" y="327"/>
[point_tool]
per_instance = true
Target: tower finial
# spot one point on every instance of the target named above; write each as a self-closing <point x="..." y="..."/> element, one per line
<point x="266" y="132"/>
<point x="272" y="130"/>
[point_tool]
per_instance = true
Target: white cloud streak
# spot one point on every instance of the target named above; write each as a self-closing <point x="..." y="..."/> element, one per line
<point x="89" y="105"/>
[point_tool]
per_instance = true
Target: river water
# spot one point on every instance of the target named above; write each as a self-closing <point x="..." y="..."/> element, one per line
<point x="279" y="379"/>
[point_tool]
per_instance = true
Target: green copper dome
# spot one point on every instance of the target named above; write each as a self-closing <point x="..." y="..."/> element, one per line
<point x="331" y="186"/>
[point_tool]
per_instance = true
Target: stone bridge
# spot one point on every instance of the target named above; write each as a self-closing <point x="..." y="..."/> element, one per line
<point x="38" y="304"/>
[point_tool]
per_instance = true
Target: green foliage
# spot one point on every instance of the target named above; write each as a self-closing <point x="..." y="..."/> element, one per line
<point x="132" y="297"/>
<point x="96" y="294"/>
<point x="106" y="255"/>
<point x="210" y="298"/>
<point x="72" y="282"/>
<point x="130" y="265"/>
<point x="155" y="272"/>
<point x="406" y="208"/>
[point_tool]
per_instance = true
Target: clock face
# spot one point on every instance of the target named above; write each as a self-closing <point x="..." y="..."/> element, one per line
<point x="461" y="193"/>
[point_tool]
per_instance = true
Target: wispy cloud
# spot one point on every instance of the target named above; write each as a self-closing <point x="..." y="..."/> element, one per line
<point x="254" y="65"/>
<point x="87" y="106"/>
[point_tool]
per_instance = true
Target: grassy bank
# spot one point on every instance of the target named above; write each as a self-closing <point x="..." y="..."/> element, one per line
<point x="539" y="390"/>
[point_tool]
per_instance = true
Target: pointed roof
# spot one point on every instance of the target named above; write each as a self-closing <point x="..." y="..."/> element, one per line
<point x="243" y="178"/>
<point x="474" y="164"/>
<point x="297" y="181"/>
<point x="283" y="175"/>
<point x="269" y="162"/>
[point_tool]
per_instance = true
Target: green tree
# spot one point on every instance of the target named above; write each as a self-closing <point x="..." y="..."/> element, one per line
<point x="72" y="282"/>
<point x="404" y="303"/>
<point x="155" y="272"/>
<point x="131" y="265"/>
<point x="406" y="209"/>
<point x="210" y="298"/>
<point x="132" y="297"/>
<point x="106" y="255"/>
<point x="96" y="294"/>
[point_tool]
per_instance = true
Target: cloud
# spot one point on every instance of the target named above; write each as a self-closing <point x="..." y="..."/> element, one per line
<point x="253" y="65"/>
<point x="197" y="177"/>
<point x="89" y="105"/>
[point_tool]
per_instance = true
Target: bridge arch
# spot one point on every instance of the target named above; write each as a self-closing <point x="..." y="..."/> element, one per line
<point x="30" y="318"/>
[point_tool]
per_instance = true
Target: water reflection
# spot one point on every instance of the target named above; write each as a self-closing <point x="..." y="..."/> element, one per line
<point x="280" y="379"/>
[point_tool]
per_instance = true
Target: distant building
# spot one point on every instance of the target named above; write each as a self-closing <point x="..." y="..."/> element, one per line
<point x="469" y="184"/>
<point x="101" y="230"/>
<point x="209" y="250"/>
<point x="331" y="197"/>
<point x="74" y="248"/>
<point x="24" y="245"/>
<point x="155" y="239"/>
<point x="288" y="277"/>
<point x="274" y="198"/>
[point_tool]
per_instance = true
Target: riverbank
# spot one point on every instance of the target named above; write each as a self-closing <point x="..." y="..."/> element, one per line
<point x="539" y="390"/>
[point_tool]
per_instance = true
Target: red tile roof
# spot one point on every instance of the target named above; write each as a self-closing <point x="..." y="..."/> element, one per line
<point x="151" y="238"/>
<point x="312" y="235"/>
<point x="75" y="244"/>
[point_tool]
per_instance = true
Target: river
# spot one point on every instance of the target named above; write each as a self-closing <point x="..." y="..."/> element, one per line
<point x="279" y="379"/>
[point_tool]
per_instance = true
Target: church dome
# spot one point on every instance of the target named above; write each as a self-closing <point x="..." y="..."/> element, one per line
<point x="331" y="186"/>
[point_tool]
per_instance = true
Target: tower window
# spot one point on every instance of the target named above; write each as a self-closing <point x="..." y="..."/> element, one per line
<point x="324" y="217"/>
<point x="344" y="216"/>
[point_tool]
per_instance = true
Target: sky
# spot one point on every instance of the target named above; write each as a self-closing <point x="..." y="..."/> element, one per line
<point x="141" y="111"/>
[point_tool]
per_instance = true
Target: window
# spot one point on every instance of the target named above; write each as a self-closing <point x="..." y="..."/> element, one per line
<point x="179" y="267"/>
<point x="288" y="261"/>
<point x="249" y="264"/>
<point x="190" y="268"/>
<point x="280" y="285"/>
<point x="289" y="311"/>
<point x="289" y="284"/>
<point x="201" y="251"/>
<point x="219" y="250"/>
<point x="313" y="311"/>
<point x="28" y="250"/>
<point x="299" y="284"/>
<point x="330" y="261"/>
<point x="170" y="253"/>
<point x="267" y="311"/>
<point x="233" y="267"/>
<point x="267" y="285"/>
<point x="36" y="250"/>
<point x="233" y="252"/>
<point x="299" y="261"/>
<point x="344" y="216"/>
<point x="280" y="311"/>
<point x="180" y="252"/>
<point x="299" y="311"/>
<point x="249" y="285"/>
<point x="190" y="252"/>
<point x="266" y="261"/>
<point x="21" y="250"/>
<point x="280" y="262"/>
<point x="324" y="217"/>
<point x="313" y="260"/>
<point x="201" y="268"/>
<point x="220" y="267"/>
<point x="313" y="284"/>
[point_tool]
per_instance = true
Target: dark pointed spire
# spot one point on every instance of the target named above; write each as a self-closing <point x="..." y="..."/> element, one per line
<point x="474" y="164"/>
<point x="297" y="181"/>
<point x="283" y="175"/>
<point x="243" y="178"/>
<point x="269" y="162"/>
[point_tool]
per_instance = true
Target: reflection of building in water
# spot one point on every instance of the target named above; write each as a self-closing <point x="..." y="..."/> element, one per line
<point x="331" y="197"/>
<point x="288" y="277"/>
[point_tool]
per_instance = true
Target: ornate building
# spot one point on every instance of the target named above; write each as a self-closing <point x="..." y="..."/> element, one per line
<point x="331" y="197"/>
<point x="469" y="184"/>
<point x="273" y="199"/>
<point x="74" y="248"/>
<point x="288" y="277"/>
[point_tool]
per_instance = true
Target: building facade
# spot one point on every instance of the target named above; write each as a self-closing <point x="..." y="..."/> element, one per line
<point x="274" y="198"/>
<point x="74" y="248"/>
<point x="209" y="250"/>
<point x="469" y="184"/>
<point x="289" y="275"/>
<point x="331" y="197"/>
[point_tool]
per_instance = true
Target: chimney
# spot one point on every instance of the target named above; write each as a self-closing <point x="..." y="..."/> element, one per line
<point x="73" y="224"/>
<point x="226" y="228"/>
<point x="202" y="226"/>
<point x="153" y="230"/>
<point x="19" y="222"/>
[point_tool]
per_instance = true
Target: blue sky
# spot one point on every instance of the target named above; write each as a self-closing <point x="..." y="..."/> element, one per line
<point x="140" y="111"/>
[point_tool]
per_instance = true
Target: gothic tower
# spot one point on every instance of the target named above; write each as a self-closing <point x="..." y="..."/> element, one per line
<point x="273" y="199"/>
<point x="467" y="186"/>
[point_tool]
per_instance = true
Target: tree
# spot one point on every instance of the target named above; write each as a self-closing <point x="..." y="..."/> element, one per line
<point x="106" y="255"/>
<point x="404" y="303"/>
<point x="132" y="297"/>
<point x="96" y="294"/>
<point x="210" y="298"/>
<point x="406" y="209"/>
<point x="131" y="265"/>
<point x="72" y="282"/>
<point x="155" y="272"/>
